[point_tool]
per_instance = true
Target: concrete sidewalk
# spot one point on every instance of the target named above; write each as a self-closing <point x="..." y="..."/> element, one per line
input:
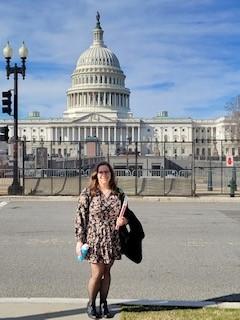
<point x="72" y="309"/>
<point x="41" y="309"/>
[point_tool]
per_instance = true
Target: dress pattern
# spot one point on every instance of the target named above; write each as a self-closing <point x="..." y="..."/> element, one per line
<point x="95" y="225"/>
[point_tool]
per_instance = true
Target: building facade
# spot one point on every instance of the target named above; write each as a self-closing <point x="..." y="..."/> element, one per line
<point x="98" y="107"/>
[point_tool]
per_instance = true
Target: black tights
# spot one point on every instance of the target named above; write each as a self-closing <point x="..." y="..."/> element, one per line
<point x="99" y="281"/>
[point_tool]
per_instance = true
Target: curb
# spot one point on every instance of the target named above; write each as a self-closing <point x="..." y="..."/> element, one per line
<point x="135" y="302"/>
<point x="207" y="198"/>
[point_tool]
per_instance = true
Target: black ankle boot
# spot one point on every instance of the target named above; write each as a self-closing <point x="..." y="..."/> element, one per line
<point x="91" y="311"/>
<point x="104" y="312"/>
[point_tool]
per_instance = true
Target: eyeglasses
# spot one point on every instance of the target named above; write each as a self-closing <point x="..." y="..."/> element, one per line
<point x="104" y="172"/>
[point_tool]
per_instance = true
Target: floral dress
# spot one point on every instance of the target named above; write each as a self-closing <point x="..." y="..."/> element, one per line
<point x="95" y="225"/>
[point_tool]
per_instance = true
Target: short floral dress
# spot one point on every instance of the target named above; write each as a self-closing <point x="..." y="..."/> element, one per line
<point x="95" y="224"/>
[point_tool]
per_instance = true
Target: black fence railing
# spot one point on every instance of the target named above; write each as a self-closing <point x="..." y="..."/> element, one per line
<point x="142" y="168"/>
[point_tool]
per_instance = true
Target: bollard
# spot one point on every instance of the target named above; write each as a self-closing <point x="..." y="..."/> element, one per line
<point x="232" y="187"/>
<point x="210" y="184"/>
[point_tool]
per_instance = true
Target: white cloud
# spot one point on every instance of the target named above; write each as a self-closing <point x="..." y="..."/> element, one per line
<point x="193" y="45"/>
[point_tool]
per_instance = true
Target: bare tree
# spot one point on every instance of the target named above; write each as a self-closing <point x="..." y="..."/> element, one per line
<point x="233" y="109"/>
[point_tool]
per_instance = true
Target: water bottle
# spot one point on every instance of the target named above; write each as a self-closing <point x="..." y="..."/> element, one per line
<point x="84" y="251"/>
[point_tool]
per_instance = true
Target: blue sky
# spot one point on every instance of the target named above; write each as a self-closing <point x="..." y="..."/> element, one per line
<point x="179" y="56"/>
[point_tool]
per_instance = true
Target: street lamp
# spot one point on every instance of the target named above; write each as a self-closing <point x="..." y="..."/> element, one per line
<point x="15" y="188"/>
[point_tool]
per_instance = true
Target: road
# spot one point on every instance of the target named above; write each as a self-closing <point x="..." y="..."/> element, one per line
<point x="191" y="251"/>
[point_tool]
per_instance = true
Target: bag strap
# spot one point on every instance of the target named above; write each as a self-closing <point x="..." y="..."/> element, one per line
<point x="121" y="195"/>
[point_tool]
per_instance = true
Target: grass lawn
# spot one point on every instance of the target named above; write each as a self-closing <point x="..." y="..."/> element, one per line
<point x="161" y="313"/>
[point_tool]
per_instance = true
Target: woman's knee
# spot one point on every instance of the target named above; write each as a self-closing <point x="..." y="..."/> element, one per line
<point x="107" y="270"/>
<point x="97" y="271"/>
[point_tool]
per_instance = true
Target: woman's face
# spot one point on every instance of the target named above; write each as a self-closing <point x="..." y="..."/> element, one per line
<point x="104" y="176"/>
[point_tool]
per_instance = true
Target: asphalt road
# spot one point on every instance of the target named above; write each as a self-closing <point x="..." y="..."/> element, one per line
<point x="191" y="252"/>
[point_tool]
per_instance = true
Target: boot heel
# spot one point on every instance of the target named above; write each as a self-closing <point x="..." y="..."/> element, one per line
<point x="104" y="311"/>
<point x="91" y="311"/>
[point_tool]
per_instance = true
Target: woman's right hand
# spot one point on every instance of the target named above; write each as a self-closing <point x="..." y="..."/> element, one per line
<point x="78" y="248"/>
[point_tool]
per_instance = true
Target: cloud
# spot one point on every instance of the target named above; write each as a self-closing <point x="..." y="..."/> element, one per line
<point x="155" y="86"/>
<point x="180" y="56"/>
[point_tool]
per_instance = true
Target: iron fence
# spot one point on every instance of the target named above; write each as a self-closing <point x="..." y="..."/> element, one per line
<point x="142" y="168"/>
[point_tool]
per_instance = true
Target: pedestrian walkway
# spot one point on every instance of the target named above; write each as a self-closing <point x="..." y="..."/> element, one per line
<point x="73" y="309"/>
<point x="48" y="308"/>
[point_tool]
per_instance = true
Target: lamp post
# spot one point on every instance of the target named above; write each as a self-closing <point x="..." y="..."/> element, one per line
<point x="15" y="188"/>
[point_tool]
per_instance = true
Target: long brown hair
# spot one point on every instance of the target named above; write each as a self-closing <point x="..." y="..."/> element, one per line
<point x="94" y="184"/>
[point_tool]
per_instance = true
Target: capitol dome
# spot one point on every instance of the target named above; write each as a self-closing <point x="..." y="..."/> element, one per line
<point x="98" y="55"/>
<point x="98" y="82"/>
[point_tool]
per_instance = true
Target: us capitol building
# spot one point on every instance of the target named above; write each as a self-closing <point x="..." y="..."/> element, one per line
<point x="98" y="107"/>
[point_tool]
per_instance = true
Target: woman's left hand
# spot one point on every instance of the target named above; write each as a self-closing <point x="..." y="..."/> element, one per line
<point x="121" y="221"/>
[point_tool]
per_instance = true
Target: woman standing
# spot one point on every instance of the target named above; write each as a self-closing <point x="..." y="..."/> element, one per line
<point x="96" y="224"/>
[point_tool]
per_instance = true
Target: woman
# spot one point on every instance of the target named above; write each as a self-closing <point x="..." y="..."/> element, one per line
<point x="97" y="222"/>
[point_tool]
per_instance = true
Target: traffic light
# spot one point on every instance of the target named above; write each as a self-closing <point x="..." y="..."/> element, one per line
<point x="7" y="102"/>
<point x="4" y="133"/>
